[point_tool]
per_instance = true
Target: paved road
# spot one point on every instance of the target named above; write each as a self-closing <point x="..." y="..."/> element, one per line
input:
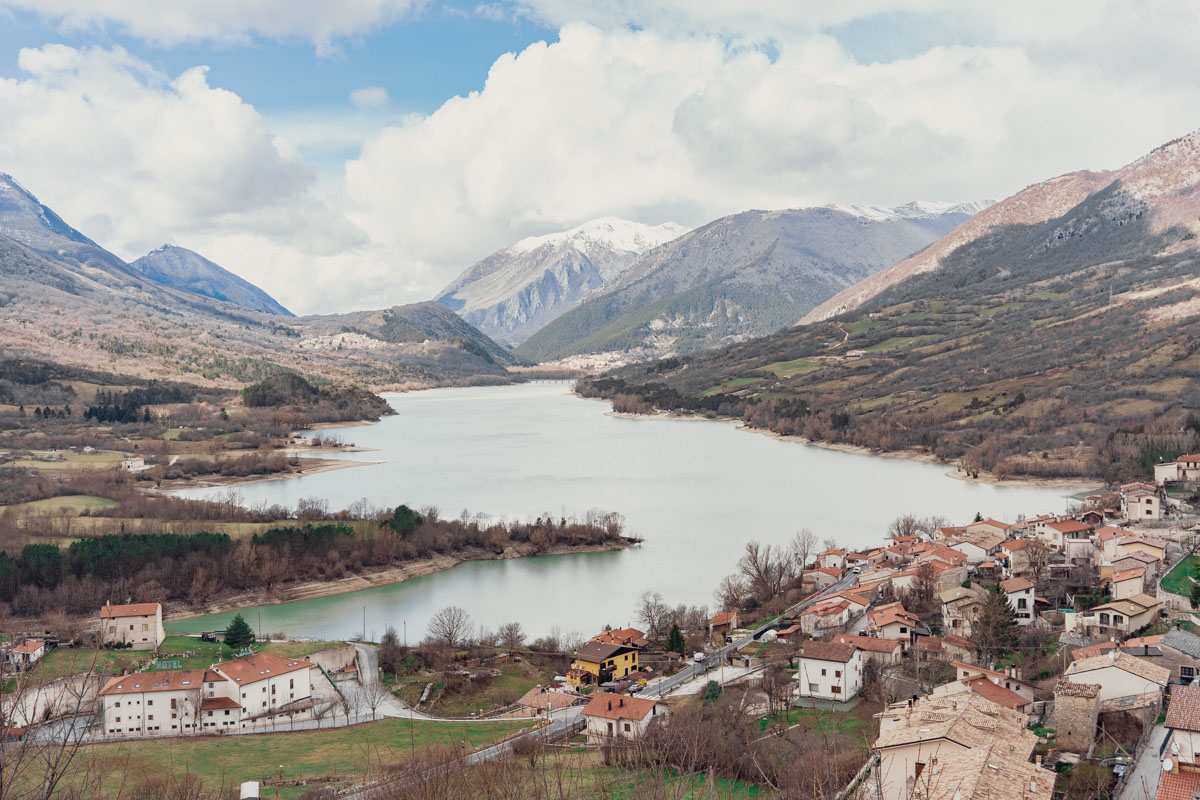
<point x="1147" y="769"/>
<point x="668" y="685"/>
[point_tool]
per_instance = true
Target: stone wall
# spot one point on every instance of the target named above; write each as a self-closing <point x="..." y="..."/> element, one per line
<point x="1076" y="708"/>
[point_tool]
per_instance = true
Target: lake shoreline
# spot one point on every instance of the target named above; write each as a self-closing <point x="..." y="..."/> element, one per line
<point x="920" y="456"/>
<point x="372" y="578"/>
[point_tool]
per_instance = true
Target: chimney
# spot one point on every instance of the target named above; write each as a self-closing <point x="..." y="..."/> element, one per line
<point x="621" y="702"/>
<point x="610" y="705"/>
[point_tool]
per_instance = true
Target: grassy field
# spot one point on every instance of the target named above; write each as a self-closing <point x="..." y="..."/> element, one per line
<point x="72" y="504"/>
<point x="72" y="462"/>
<point x="71" y="661"/>
<point x="1178" y="580"/>
<point x="584" y="775"/>
<point x="798" y="366"/>
<point x="514" y="681"/>
<point x="338" y="752"/>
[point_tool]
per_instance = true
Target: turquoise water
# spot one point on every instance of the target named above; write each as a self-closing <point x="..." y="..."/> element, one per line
<point x="695" y="490"/>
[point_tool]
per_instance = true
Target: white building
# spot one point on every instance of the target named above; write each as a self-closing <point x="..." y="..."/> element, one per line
<point x="137" y="624"/>
<point x="256" y="690"/>
<point x="828" y="671"/>
<point x="617" y="716"/>
<point x="1121" y="676"/>
<point x="1019" y="592"/>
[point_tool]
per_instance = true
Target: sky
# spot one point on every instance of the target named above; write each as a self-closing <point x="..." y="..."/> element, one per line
<point x="363" y="153"/>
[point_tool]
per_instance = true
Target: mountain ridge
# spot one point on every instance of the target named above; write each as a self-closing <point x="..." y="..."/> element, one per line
<point x="189" y="271"/>
<point x="517" y="290"/>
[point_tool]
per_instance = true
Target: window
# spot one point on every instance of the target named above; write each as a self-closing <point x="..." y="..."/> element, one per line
<point x="118" y="719"/>
<point x="822" y="673"/>
<point x="610" y="729"/>
<point x="1022" y="602"/>
<point x="903" y="629"/>
<point x="918" y="768"/>
<point x="627" y="728"/>
<point x="837" y="690"/>
<point x="837" y="673"/>
<point x="812" y="687"/>
<point x="149" y="702"/>
<point x="1187" y="672"/>
<point x="1104" y="618"/>
<point x="1118" y="619"/>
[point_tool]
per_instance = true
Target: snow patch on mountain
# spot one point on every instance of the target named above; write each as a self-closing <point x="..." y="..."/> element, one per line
<point x="610" y="232"/>
<point x="917" y="209"/>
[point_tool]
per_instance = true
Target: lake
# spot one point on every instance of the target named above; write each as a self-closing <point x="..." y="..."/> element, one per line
<point x="695" y="490"/>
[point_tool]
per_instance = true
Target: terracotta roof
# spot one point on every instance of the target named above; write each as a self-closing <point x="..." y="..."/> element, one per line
<point x="258" y="667"/>
<point x="1015" y="544"/>
<point x="1144" y="641"/>
<point x="30" y="646"/>
<point x="1137" y="555"/>
<point x="984" y="687"/>
<point x="852" y="596"/>
<point x="1178" y="785"/>
<point x="827" y="570"/>
<point x="1068" y="526"/>
<point x="721" y="619"/>
<point x="827" y="651"/>
<point x="985" y="671"/>
<point x="131" y="610"/>
<point x="1108" y="532"/>
<point x="1066" y="688"/>
<point x="1128" y="574"/>
<point x="1015" y="585"/>
<point x="541" y="696"/>
<point x="959" y="593"/>
<point x="160" y="681"/>
<point x="825" y="609"/>
<point x="874" y="644"/>
<point x="1092" y="650"/>
<point x="832" y="553"/>
<point x="930" y="644"/>
<point x="892" y="612"/>
<point x="957" y="640"/>
<point x="1153" y="541"/>
<point x="618" y="706"/>
<point x="987" y="564"/>
<point x="1184" y="713"/>
<point x="630" y="636"/>
<point x="993" y="522"/>
<point x="219" y="702"/>
<point x="1135" y="666"/>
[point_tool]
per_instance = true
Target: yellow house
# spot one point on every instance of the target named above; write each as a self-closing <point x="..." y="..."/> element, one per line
<point x="599" y="662"/>
<point x="1150" y="545"/>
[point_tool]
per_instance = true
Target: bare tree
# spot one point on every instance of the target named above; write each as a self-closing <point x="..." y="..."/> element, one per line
<point x="766" y="570"/>
<point x="804" y="547"/>
<point x="1037" y="559"/>
<point x="512" y="637"/>
<point x="904" y="525"/>
<point x="730" y="593"/>
<point x="371" y="694"/>
<point x="653" y="613"/>
<point x="450" y="626"/>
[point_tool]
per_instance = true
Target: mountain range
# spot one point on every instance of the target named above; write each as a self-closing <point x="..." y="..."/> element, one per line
<point x="174" y="313"/>
<point x="1055" y="334"/>
<point x="518" y="290"/>
<point x="739" y="276"/>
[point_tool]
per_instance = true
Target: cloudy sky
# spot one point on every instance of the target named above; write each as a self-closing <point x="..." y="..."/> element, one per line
<point x="362" y="153"/>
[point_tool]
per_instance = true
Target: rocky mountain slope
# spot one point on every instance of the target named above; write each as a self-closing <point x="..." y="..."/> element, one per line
<point x="742" y="275"/>
<point x="1064" y="345"/>
<point x="189" y="271"/>
<point x="68" y="301"/>
<point x="514" y="292"/>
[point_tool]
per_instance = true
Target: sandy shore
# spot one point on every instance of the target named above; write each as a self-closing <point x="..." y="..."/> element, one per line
<point x="381" y="576"/>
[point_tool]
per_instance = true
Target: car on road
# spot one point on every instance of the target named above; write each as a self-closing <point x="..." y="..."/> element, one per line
<point x="856" y="570"/>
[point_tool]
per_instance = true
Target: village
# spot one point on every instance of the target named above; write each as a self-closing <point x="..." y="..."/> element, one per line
<point x="1041" y="649"/>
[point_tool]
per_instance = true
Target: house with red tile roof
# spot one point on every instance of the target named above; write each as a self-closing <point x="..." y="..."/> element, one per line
<point x="874" y="648"/>
<point x="723" y="623"/>
<point x="24" y="655"/>
<point x="825" y="616"/>
<point x="1128" y="582"/>
<point x="835" y="559"/>
<point x="617" y="716"/>
<point x="1019" y="592"/>
<point x="820" y="577"/>
<point x="964" y="672"/>
<point x="138" y="625"/>
<point x="989" y="690"/>
<point x="256" y="690"/>
<point x="828" y="670"/>
<point x="631" y="637"/>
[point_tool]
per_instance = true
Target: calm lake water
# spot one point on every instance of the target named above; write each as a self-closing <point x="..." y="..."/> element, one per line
<point x="695" y="490"/>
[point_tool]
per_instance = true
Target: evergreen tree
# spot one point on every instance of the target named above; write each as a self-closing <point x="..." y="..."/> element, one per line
<point x="675" y="643"/>
<point x="404" y="520"/>
<point x="238" y="634"/>
<point x="995" y="628"/>
<point x="1196" y="595"/>
<point x="712" y="691"/>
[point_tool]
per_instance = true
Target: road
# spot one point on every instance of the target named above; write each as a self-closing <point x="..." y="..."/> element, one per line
<point x="1147" y="769"/>
<point x="668" y="685"/>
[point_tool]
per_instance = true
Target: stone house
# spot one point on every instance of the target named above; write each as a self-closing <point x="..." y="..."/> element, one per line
<point x="820" y="577"/>
<point x="1141" y="505"/>
<point x="1139" y="559"/>
<point x="960" y="606"/>
<point x="1006" y="680"/>
<point x="1076" y="709"/>
<point x="1177" y="651"/>
<point x="825" y="617"/>
<point x="1122" y="677"/>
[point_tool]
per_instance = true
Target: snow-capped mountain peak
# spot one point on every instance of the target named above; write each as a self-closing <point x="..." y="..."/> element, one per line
<point x="916" y="209"/>
<point x="611" y="232"/>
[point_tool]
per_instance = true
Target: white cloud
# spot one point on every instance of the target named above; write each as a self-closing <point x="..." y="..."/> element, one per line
<point x="134" y="158"/>
<point x="225" y="21"/>
<point x="369" y="97"/>
<point x="689" y="127"/>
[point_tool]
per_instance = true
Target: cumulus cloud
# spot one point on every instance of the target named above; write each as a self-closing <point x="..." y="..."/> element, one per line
<point x="225" y="21"/>
<point x="369" y="97"/>
<point x="136" y="158"/>
<point x="689" y="127"/>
